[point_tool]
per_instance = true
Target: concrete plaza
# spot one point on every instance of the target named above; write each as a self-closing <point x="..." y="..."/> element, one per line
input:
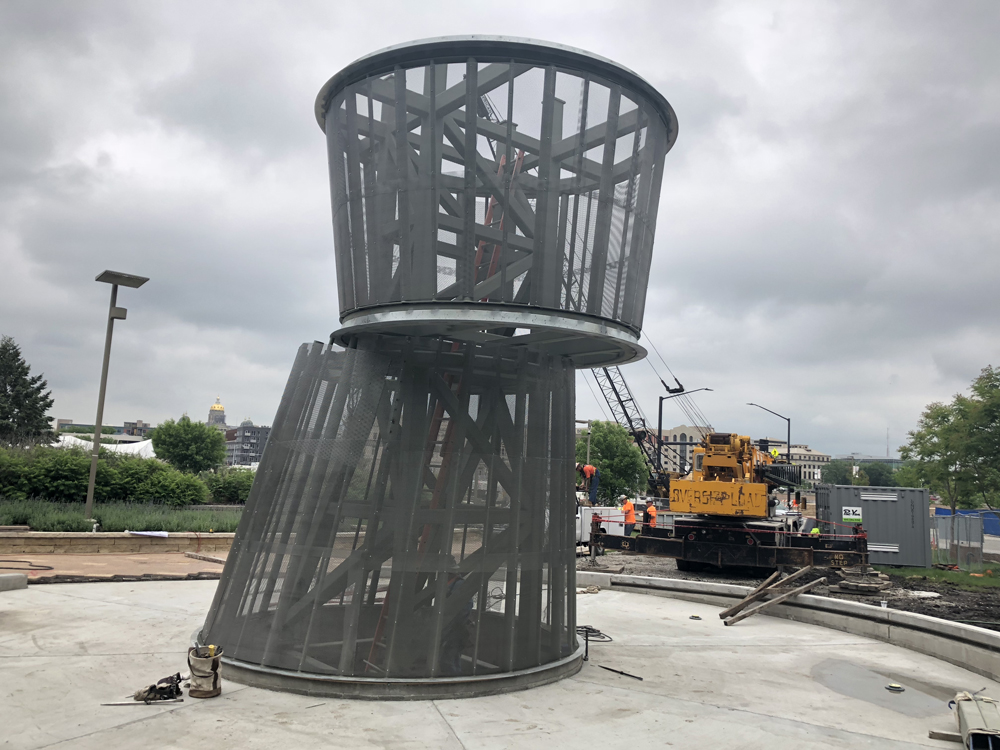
<point x="764" y="683"/>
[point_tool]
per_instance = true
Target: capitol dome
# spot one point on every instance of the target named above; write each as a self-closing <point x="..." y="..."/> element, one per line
<point x="217" y="414"/>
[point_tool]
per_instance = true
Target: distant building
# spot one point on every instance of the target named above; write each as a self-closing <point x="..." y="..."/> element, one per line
<point x="130" y="432"/>
<point x="811" y="461"/>
<point x="83" y="429"/>
<point x="138" y="428"/>
<point x="217" y="415"/>
<point x="677" y="451"/>
<point x="247" y="444"/>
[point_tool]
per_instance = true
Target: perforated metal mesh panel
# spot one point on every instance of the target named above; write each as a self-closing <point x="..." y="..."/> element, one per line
<point x="532" y="181"/>
<point x="410" y="517"/>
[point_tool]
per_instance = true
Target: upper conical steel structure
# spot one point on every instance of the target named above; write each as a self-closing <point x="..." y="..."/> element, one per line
<point x="410" y="532"/>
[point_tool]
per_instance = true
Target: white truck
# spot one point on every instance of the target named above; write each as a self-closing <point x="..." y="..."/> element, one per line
<point x="613" y="521"/>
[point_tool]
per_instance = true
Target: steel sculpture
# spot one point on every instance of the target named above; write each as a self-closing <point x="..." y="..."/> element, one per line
<point x="410" y="533"/>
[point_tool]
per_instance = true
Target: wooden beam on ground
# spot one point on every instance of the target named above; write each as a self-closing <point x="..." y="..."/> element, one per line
<point x="763" y="590"/>
<point x="751" y="597"/>
<point x="783" y="597"/>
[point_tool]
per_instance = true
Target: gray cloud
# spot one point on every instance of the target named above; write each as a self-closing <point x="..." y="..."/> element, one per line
<point x="828" y="228"/>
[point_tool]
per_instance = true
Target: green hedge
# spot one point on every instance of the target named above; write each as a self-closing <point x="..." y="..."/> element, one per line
<point x="60" y="475"/>
<point x="229" y="486"/>
<point x="45" y="516"/>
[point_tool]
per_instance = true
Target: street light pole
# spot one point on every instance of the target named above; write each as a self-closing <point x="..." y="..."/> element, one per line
<point x="788" y="446"/>
<point x="659" y="426"/>
<point x="116" y="279"/>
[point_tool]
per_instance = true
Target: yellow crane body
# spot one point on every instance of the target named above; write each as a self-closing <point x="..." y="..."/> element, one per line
<point x="724" y="480"/>
<point x="718" y="498"/>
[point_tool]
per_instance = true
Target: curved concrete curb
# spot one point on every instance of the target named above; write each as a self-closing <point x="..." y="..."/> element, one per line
<point x="967" y="646"/>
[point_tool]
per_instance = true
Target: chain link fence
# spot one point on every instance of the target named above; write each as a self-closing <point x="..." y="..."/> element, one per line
<point x="958" y="540"/>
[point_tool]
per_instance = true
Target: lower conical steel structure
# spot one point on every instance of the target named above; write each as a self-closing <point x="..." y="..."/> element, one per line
<point x="410" y="532"/>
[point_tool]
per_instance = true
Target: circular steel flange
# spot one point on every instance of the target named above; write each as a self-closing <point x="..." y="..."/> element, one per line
<point x="381" y="688"/>
<point x="486" y="47"/>
<point x="586" y="340"/>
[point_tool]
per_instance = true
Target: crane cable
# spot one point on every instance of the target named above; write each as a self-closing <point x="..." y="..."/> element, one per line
<point x="686" y="404"/>
<point x="597" y="400"/>
<point x="683" y="403"/>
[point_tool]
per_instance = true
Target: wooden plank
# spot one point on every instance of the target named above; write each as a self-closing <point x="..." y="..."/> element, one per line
<point x="763" y="590"/>
<point x="783" y="597"/>
<point x="751" y="597"/>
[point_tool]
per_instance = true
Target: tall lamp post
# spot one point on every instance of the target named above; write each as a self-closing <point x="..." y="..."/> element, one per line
<point x="659" y="425"/>
<point x="116" y="280"/>
<point x="788" y="446"/>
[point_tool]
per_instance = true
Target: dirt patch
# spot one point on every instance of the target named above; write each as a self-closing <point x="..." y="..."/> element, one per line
<point x="981" y="607"/>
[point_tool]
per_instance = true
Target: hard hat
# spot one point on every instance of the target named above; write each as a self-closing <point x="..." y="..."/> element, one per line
<point x="623" y="497"/>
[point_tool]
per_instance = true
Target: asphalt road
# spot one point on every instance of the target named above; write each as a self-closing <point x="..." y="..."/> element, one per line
<point x="991" y="544"/>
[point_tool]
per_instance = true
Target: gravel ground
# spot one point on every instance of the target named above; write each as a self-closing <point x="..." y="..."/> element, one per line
<point x="980" y="607"/>
<point x="938" y="599"/>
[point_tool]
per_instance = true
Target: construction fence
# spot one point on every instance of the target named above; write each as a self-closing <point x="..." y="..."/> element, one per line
<point x="958" y="540"/>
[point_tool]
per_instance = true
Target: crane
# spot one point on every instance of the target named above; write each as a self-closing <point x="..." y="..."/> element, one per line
<point x="626" y="412"/>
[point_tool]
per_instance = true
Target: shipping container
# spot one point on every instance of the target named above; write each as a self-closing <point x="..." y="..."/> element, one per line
<point x="897" y="520"/>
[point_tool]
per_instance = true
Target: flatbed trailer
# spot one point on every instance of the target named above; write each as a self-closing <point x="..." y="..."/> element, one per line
<point x="721" y="542"/>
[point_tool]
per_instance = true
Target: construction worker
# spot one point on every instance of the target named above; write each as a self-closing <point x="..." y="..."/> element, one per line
<point x="649" y="515"/>
<point x="815" y="531"/>
<point x="629" y="510"/>
<point x="592" y="476"/>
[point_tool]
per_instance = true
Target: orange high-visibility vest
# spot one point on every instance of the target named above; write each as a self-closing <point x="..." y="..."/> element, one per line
<point x="629" y="510"/>
<point x="651" y="509"/>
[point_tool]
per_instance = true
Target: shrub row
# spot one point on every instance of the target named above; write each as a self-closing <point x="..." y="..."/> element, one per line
<point x="61" y="475"/>
<point x="41" y="515"/>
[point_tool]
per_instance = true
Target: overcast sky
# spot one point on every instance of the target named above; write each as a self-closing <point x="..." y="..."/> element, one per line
<point x="828" y="226"/>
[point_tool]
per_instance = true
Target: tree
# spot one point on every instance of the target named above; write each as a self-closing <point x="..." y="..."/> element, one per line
<point x="23" y="398"/>
<point x="229" y="486"/>
<point x="939" y="446"/>
<point x="983" y="450"/>
<point x="838" y="472"/>
<point x="908" y="475"/>
<point x="620" y="461"/>
<point x="879" y="474"/>
<point x="955" y="449"/>
<point x="189" y="446"/>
